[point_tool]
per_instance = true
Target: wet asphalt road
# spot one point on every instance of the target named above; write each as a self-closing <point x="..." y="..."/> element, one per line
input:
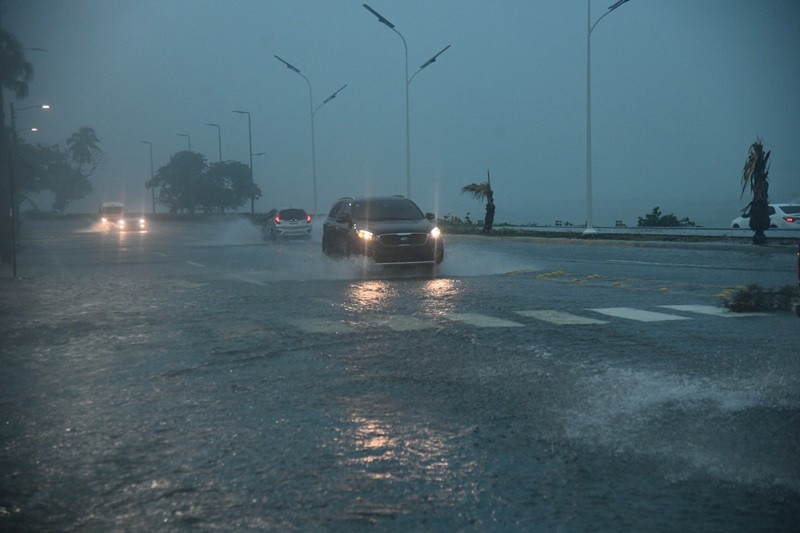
<point x="195" y="378"/>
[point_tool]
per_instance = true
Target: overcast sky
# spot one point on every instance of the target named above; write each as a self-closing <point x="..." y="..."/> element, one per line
<point x="680" y="89"/>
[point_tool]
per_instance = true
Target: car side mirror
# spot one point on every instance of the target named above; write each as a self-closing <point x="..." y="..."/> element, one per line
<point x="430" y="216"/>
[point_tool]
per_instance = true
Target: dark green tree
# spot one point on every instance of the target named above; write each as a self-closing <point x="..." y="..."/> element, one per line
<point x="188" y="184"/>
<point x="181" y="182"/>
<point x="756" y="174"/>
<point x="229" y="186"/>
<point x="84" y="150"/>
<point x="15" y="75"/>
<point x="42" y="168"/>
<point x="481" y="191"/>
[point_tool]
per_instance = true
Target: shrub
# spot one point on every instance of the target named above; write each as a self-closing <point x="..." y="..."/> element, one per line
<point x="658" y="219"/>
<point x="756" y="298"/>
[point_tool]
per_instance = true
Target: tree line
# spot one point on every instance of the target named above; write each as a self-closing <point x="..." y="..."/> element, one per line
<point x="188" y="184"/>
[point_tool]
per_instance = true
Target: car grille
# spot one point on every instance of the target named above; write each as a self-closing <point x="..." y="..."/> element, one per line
<point x="403" y="239"/>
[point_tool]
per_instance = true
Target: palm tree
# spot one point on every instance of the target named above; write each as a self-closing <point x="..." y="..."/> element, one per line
<point x="83" y="149"/>
<point x="479" y="191"/>
<point x="15" y="74"/>
<point x="756" y="174"/>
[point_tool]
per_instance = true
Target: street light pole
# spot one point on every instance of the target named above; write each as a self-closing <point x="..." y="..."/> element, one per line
<point x="590" y="27"/>
<point x="188" y="139"/>
<point x="12" y="187"/>
<point x="219" y="137"/>
<point x="383" y="20"/>
<point x="250" y="151"/>
<point x="152" y="185"/>
<point x="313" y="112"/>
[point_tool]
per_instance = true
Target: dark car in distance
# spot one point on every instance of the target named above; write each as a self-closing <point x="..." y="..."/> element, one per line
<point x="389" y="230"/>
<point x="290" y="222"/>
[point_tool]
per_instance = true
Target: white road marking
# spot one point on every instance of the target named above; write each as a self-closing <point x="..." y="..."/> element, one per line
<point x="637" y="314"/>
<point x="321" y="325"/>
<point x="400" y="322"/>
<point x="483" y="321"/>
<point x="195" y="264"/>
<point x="559" y="317"/>
<point x="710" y="310"/>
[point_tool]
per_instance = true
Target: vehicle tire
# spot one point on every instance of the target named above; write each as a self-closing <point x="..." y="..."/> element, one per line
<point x="735" y="226"/>
<point x="326" y="245"/>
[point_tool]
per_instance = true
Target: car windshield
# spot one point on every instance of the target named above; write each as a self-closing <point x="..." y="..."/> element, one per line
<point x="292" y="214"/>
<point x="790" y="209"/>
<point x="112" y="211"/>
<point x="389" y="209"/>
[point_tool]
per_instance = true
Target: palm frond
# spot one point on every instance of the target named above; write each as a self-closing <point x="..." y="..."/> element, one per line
<point x="477" y="190"/>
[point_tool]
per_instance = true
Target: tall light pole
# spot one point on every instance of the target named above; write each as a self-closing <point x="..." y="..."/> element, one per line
<point x="250" y="152"/>
<point x="12" y="187"/>
<point x="589" y="28"/>
<point x="219" y="137"/>
<point x="383" y="20"/>
<point x="188" y="139"/>
<point x="152" y="185"/>
<point x="313" y="112"/>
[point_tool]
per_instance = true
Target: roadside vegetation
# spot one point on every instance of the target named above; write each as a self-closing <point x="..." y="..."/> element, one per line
<point x="756" y="175"/>
<point x="656" y="219"/>
<point x="483" y="191"/>
<point x="756" y="298"/>
<point x="188" y="184"/>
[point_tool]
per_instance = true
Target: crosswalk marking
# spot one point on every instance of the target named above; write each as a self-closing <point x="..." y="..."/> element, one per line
<point x="400" y="322"/>
<point x="559" y="317"/>
<point x="637" y="314"/>
<point x="484" y="321"/>
<point x="407" y="323"/>
<point x="710" y="310"/>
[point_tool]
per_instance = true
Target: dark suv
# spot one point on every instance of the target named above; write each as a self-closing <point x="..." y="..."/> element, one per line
<point x="386" y="229"/>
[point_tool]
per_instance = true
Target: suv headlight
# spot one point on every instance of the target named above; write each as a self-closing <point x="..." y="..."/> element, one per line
<point x="364" y="234"/>
<point x="436" y="233"/>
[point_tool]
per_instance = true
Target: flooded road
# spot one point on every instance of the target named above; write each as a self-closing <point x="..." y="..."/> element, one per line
<point x="194" y="377"/>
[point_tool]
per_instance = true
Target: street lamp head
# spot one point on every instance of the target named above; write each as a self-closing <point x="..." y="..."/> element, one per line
<point x="45" y="106"/>
<point x="380" y="17"/>
<point x="288" y="65"/>
<point x="331" y="97"/>
<point x="433" y="59"/>
<point x="617" y="4"/>
<point x="241" y="112"/>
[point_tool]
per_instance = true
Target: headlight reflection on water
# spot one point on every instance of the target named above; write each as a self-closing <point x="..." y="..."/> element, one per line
<point x="438" y="296"/>
<point x="379" y="450"/>
<point x="370" y="295"/>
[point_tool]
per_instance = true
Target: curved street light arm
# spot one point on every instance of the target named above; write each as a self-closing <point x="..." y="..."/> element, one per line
<point x="428" y="62"/>
<point x="610" y="9"/>
<point x="328" y="99"/>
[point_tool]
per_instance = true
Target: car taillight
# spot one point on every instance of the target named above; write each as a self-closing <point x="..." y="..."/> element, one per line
<point x="789" y="219"/>
<point x="277" y="220"/>
<point x="308" y="218"/>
